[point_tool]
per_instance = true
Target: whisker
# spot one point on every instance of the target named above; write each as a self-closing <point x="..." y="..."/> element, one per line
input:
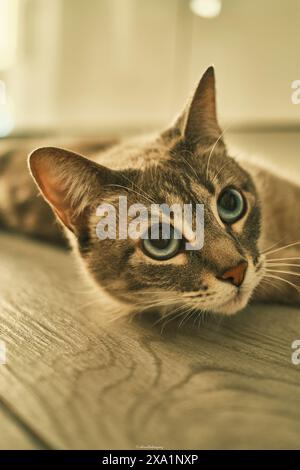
<point x="283" y="264"/>
<point x="194" y="313"/>
<point x="190" y="313"/>
<point x="162" y="298"/>
<point x="193" y="169"/>
<point x="282" y="248"/>
<point x="173" y="318"/>
<point x="271" y="246"/>
<point x="283" y="280"/>
<point x="140" y="189"/>
<point x="184" y="315"/>
<point x="132" y="190"/>
<point x="171" y="315"/>
<point x="122" y="315"/>
<point x="212" y="149"/>
<point x="201" y="317"/>
<point x="196" y="318"/>
<point x="262" y="286"/>
<point x="88" y="304"/>
<point x="157" y="292"/>
<point x="220" y="170"/>
<point x="291" y="273"/>
<point x="162" y="303"/>
<point x="270" y="283"/>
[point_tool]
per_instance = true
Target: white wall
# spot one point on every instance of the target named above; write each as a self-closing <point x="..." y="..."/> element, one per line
<point x="131" y="63"/>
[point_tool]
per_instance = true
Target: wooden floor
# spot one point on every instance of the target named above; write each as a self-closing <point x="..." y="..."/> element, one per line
<point x="75" y="380"/>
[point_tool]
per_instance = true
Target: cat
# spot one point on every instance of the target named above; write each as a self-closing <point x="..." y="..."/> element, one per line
<point x="250" y="213"/>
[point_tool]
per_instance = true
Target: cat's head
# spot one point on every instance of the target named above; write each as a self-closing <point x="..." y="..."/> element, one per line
<point x="186" y="164"/>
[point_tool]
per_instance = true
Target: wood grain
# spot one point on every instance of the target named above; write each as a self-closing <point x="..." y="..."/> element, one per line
<point x="74" y="379"/>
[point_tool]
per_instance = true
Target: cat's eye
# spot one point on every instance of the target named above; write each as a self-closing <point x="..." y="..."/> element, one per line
<point x="231" y="205"/>
<point x="160" y="247"/>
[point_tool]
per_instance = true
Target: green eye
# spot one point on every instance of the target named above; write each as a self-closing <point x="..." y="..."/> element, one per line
<point x="231" y="205"/>
<point x="160" y="247"/>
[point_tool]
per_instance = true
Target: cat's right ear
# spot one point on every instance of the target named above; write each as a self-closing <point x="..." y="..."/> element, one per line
<point x="69" y="182"/>
<point x="198" y="123"/>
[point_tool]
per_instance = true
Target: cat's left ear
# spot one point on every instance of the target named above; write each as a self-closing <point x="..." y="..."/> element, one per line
<point x="69" y="182"/>
<point x="198" y="123"/>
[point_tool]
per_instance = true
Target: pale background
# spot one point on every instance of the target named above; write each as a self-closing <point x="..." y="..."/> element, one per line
<point x="110" y="65"/>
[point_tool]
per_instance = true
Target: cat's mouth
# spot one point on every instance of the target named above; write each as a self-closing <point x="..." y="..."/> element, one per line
<point x="238" y="301"/>
<point x="240" y="298"/>
<point x="215" y="296"/>
<point x="228" y="300"/>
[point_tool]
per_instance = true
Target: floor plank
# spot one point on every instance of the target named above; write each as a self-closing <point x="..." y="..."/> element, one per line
<point x="14" y="433"/>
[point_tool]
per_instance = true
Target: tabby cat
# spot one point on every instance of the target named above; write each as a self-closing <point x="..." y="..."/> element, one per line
<point x="251" y="215"/>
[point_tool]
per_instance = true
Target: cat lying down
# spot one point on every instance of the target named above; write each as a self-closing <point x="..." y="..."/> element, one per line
<point x="251" y="216"/>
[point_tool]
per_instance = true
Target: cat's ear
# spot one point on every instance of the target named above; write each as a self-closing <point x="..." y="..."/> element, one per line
<point x="199" y="121"/>
<point x="68" y="182"/>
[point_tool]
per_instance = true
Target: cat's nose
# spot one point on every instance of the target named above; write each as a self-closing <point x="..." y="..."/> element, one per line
<point x="236" y="274"/>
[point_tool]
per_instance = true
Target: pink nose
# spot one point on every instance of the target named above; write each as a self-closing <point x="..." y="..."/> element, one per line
<point x="235" y="275"/>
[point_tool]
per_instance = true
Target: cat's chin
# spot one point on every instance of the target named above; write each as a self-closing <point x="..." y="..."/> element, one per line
<point x="233" y="306"/>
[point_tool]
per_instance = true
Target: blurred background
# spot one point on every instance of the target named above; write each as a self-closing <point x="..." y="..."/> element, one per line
<point x="121" y="66"/>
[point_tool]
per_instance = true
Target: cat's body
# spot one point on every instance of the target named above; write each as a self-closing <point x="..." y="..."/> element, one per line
<point x="280" y="196"/>
<point x="187" y="163"/>
<point x="21" y="207"/>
